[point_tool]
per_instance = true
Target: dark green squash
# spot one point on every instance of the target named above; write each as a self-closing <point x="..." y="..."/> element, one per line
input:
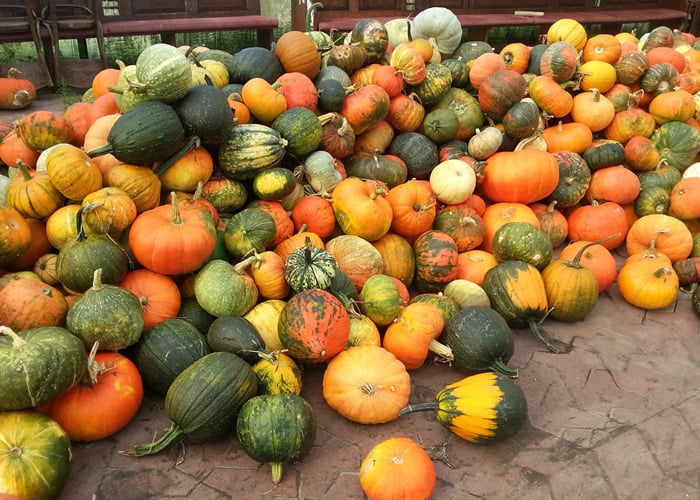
<point x="652" y="200"/>
<point x="301" y="128"/>
<point x="163" y="73"/>
<point x="522" y="119"/>
<point x="480" y="340"/>
<point x="309" y="267"/>
<point x="536" y="52"/>
<point x="516" y="291"/>
<point x="36" y="457"/>
<point x="376" y="166"/>
<point x="342" y="287"/>
<point x="203" y="401"/>
<point x="250" y="148"/>
<point x="251" y="229"/>
<point x="371" y="35"/>
<point x="440" y="125"/>
<point x="663" y="175"/>
<point x="464" y="406"/>
<point x="574" y="179"/>
<point x="79" y="258"/>
<point x="522" y="241"/>
<point x="472" y="49"/>
<point x="237" y="335"/>
<point x="331" y="95"/>
<point x="224" y="57"/>
<point x="108" y="314"/>
<point x="695" y="300"/>
<point x="417" y="151"/>
<point x="37" y="365"/>
<point x="165" y="349"/>
<point x="678" y="143"/>
<point x="604" y="153"/>
<point x="469" y="113"/>
<point x="192" y="312"/>
<point x="204" y="113"/>
<point x="150" y="131"/>
<point x="252" y="62"/>
<point x="276" y="429"/>
<point x="459" y="69"/>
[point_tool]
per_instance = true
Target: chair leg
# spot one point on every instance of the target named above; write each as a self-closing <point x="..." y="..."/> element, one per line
<point x="41" y="54"/>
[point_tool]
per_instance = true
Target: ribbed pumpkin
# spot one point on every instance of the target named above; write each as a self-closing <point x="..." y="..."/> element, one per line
<point x="366" y="384"/>
<point x="108" y="314"/>
<point x="516" y="291"/>
<point x="309" y="267"/>
<point x="524" y="242"/>
<point x="572" y="289"/>
<point x="482" y="408"/>
<point x="365" y="107"/>
<point x="296" y="51"/>
<point x="42" y="129"/>
<point x="568" y="30"/>
<point x="361" y="208"/>
<point x="71" y="171"/>
<point x="33" y="194"/>
<point x="314" y="326"/>
<point x="161" y="238"/>
<point x="15" y="235"/>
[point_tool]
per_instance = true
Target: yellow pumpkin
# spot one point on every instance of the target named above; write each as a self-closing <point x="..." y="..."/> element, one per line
<point x="567" y="30"/>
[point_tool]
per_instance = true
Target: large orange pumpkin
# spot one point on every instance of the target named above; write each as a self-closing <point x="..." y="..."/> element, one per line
<point x="297" y="52"/>
<point x="535" y="177"/>
<point x="361" y="208"/>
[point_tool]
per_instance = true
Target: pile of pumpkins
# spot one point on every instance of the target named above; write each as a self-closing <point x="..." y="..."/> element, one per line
<point x="363" y="203"/>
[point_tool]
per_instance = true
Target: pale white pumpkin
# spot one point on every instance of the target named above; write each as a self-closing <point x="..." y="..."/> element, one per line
<point x="439" y="24"/>
<point x="4" y="181"/>
<point x="692" y="171"/>
<point x="397" y="30"/>
<point x="452" y="181"/>
<point x="321" y="171"/>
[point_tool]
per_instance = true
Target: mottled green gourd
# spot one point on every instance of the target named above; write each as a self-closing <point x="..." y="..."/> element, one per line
<point x="37" y="365"/>
<point x="108" y="314"/>
<point x="309" y="267"/>
<point x="276" y="429"/>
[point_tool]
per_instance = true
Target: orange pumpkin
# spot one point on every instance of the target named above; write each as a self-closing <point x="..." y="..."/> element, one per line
<point x="366" y="384"/>
<point x="96" y="137"/>
<point x="597" y="221"/>
<point x="535" y="178"/>
<point x="30" y="303"/>
<point x="484" y="66"/>
<point x="397" y="468"/>
<point x="409" y="61"/>
<point x="628" y="123"/>
<point x="570" y="136"/>
<point x="314" y="326"/>
<point x="516" y="56"/>
<point x="592" y="109"/>
<point x="361" y="208"/>
<point x="666" y="234"/>
<point x="159" y="295"/>
<point x="184" y="175"/>
<point x="33" y="194"/>
<point x="315" y="214"/>
<point x="15" y="235"/>
<point x="616" y="183"/>
<point x="550" y="96"/>
<point x="297" y="52"/>
<point x="602" y="47"/>
<point x="365" y="107"/>
<point x="356" y="257"/>
<point x="641" y="154"/>
<point x="42" y="129"/>
<point x="140" y="183"/>
<point x="647" y="283"/>
<point x="596" y="258"/>
<point x="263" y="99"/>
<point x="13" y="150"/>
<point x="685" y="199"/>
<point x="111" y="210"/>
<point x="39" y="246"/>
<point x="411" y="336"/>
<point x="413" y="209"/>
<point x="500" y="213"/>
<point x="473" y="264"/>
<point x="678" y="105"/>
<point x="397" y="257"/>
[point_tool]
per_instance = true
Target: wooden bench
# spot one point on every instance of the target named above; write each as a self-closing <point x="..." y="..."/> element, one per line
<point x="479" y="16"/>
<point x="167" y="18"/>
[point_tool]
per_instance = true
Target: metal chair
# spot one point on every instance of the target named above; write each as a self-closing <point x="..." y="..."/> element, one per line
<point x="19" y="22"/>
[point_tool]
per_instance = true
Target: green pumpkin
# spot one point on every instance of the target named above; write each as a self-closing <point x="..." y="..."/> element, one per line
<point x="447" y="305"/>
<point x="192" y="312"/>
<point x="678" y="143"/>
<point x="652" y="200"/>
<point x="237" y="335"/>
<point x="274" y="183"/>
<point x="604" y="153"/>
<point x="163" y="73"/>
<point x="36" y="458"/>
<point x="381" y="300"/>
<point x="574" y="179"/>
<point x="484" y="408"/>
<point x="37" y="365"/>
<point x="469" y="113"/>
<point x="205" y="113"/>
<point x="522" y="119"/>
<point x="371" y="35"/>
<point x="276" y="429"/>
<point x="108" y="314"/>
<point x="78" y="259"/>
<point x="203" y="401"/>
<point x="459" y="69"/>
<point x="165" y="349"/>
<point x="664" y="176"/>
<point x="480" y="340"/>
<point x="695" y="298"/>
<point x="251" y="62"/>
<point x="376" y="166"/>
<point x="251" y="229"/>
<point x="301" y="128"/>
<point x="223" y="290"/>
<point x="522" y="241"/>
<point x="440" y="125"/>
<point x="309" y="267"/>
<point x="419" y="153"/>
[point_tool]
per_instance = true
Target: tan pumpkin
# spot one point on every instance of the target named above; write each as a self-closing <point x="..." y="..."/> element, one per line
<point x="71" y="171"/>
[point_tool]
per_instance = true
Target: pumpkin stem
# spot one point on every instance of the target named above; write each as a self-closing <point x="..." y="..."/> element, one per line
<point x="17" y="341"/>
<point x="499" y="366"/>
<point x="175" y="218"/>
<point x="444" y="352"/>
<point x="432" y="405"/>
<point x="139" y="450"/>
<point x="538" y="334"/>
<point x="662" y="271"/>
<point x="579" y="255"/>
<point x="24" y="169"/>
<point x="309" y="13"/>
<point x="97" y="279"/>
<point x="79" y="219"/>
<point x="94" y="369"/>
<point x="241" y="267"/>
<point x="276" y="472"/>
